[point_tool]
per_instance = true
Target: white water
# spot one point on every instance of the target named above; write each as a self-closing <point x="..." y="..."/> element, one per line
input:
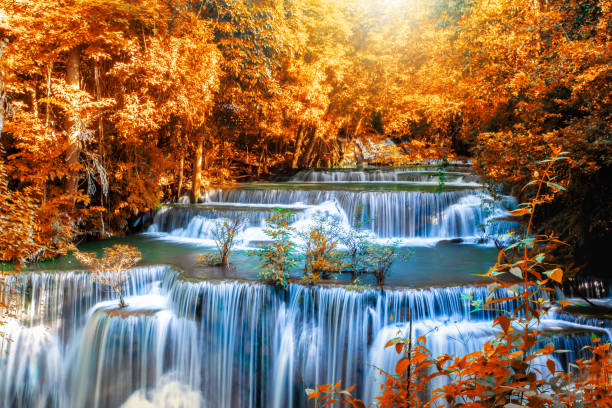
<point x="418" y="176"/>
<point x="225" y="344"/>
<point x="412" y="217"/>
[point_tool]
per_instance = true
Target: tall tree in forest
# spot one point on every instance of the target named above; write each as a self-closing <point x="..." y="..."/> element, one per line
<point x="71" y="122"/>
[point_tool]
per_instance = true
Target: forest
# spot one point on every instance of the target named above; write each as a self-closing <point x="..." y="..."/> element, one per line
<point x="212" y="148"/>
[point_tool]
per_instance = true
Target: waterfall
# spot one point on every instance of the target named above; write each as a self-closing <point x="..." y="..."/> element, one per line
<point x="141" y="349"/>
<point x="587" y="287"/>
<point x="418" y="175"/>
<point x="60" y="300"/>
<point x="226" y="344"/>
<point x="398" y="203"/>
<point x="397" y="214"/>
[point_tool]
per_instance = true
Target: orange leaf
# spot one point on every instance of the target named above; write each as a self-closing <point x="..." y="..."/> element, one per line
<point x="402" y="365"/>
<point x="504" y="322"/>
<point x="314" y="395"/>
<point x="520" y="211"/>
<point x="556" y="275"/>
<point x="551" y="366"/>
<point x="357" y="404"/>
<point x="324" y="387"/>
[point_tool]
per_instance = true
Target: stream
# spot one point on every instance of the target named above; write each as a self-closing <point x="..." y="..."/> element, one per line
<point x="194" y="336"/>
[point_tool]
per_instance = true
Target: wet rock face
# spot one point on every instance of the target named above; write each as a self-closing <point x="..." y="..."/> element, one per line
<point x="450" y="241"/>
<point x="125" y="312"/>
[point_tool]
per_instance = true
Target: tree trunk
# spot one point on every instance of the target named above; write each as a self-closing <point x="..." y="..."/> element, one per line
<point x="179" y="188"/>
<point x="3" y="44"/>
<point x="298" y="147"/>
<point x="197" y="169"/>
<point x="72" y="153"/>
<point x="313" y="141"/>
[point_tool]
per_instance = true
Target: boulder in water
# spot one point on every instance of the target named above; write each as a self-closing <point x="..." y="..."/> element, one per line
<point x="450" y="241"/>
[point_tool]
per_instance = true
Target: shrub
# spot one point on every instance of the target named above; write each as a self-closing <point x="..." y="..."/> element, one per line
<point x="320" y="244"/>
<point x="356" y="241"/>
<point x="224" y="235"/>
<point x="378" y="259"/>
<point x="277" y="258"/>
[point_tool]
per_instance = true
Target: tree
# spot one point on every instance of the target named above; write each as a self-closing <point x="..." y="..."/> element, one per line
<point x="378" y="259"/>
<point x="111" y="267"/>
<point x="321" y="253"/>
<point x="98" y="94"/>
<point x="277" y="258"/>
<point x="224" y="234"/>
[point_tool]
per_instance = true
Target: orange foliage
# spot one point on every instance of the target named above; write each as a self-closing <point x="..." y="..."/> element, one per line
<point x="136" y="102"/>
<point x="93" y="88"/>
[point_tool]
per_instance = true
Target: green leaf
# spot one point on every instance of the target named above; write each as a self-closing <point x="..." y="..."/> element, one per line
<point x="517" y="272"/>
<point x="554" y="185"/>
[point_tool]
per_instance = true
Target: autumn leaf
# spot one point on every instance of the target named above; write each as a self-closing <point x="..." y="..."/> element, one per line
<point x="402" y="365"/>
<point x="555" y="274"/>
<point x="550" y="364"/>
<point x="520" y="211"/>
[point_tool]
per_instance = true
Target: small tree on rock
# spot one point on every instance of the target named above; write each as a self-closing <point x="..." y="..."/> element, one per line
<point x="378" y="260"/>
<point x="110" y="269"/>
<point x="224" y="235"/>
<point x="320" y="244"/>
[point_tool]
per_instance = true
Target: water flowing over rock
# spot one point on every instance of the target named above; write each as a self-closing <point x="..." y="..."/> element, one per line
<point x="423" y="175"/>
<point x="392" y="203"/>
<point x="225" y="344"/>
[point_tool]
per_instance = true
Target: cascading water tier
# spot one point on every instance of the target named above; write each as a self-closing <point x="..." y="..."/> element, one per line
<point x="413" y="205"/>
<point x="226" y="344"/>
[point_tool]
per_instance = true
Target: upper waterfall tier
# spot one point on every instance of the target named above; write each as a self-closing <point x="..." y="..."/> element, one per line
<point x="420" y="205"/>
<point x="388" y="214"/>
<point x="418" y="175"/>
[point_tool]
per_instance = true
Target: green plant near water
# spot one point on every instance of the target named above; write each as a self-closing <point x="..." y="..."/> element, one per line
<point x="358" y="286"/>
<point x="322" y="258"/>
<point x="356" y="241"/>
<point x="441" y="168"/>
<point x="278" y="257"/>
<point x="378" y="259"/>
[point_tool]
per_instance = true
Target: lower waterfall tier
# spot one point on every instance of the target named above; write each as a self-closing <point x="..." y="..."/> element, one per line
<point x="226" y="344"/>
